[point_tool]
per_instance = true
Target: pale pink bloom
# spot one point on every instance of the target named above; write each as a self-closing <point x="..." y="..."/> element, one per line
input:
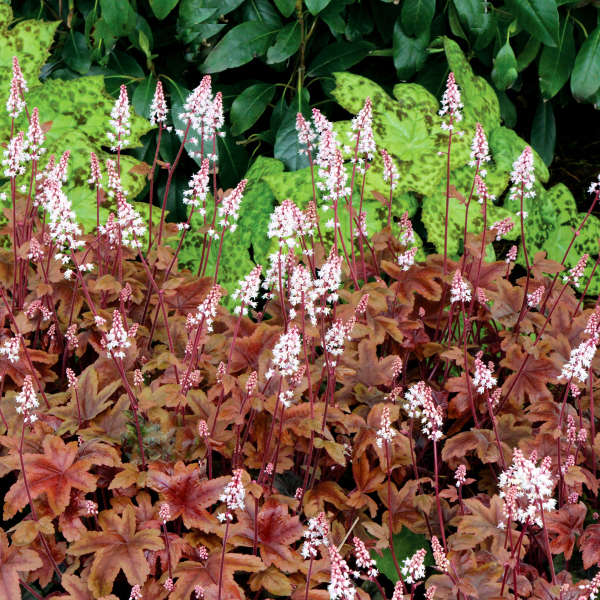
<point x="419" y="404"/>
<point x="132" y="225"/>
<point x="336" y="180"/>
<point x="136" y="593"/>
<point x="197" y="190"/>
<point x="16" y="103"/>
<point x="197" y="104"/>
<point x="483" y="379"/>
<point x="511" y="255"/>
<point x="523" y="176"/>
<point x="407" y="234"/>
<point x="15" y="156"/>
<point x="320" y="121"/>
<point x="407" y="259"/>
<point x="451" y="104"/>
<point x="576" y="273"/>
<point x="251" y="383"/>
<point x="95" y="175"/>
<point x="119" y="121"/>
<point x="10" y="349"/>
<point x="591" y="590"/>
<point x="117" y="340"/>
<point x="37" y="306"/>
<point x="299" y="493"/>
<point x="164" y="512"/>
<point x="363" y="558"/>
<point x="398" y="590"/>
<point x="71" y="336"/>
<point x="71" y="378"/>
<point x="287" y="222"/>
<point x="306" y="135"/>
<point x="413" y="567"/>
<point x="315" y="535"/>
<point x="230" y="206"/>
<point x="340" y="586"/>
<point x="582" y="356"/>
<point x="301" y="290"/>
<point x="595" y="187"/>
<point x="114" y="180"/>
<point x="481" y="297"/>
<point x="502" y="228"/>
<point x="460" y="290"/>
<point x="203" y="429"/>
<point x="202" y="552"/>
<point x="390" y="172"/>
<point x="286" y="353"/>
<point x="336" y="336"/>
<point x="330" y="277"/>
<point x="479" y="149"/>
<point x="214" y="118"/>
<point x="158" y="108"/>
<point x="460" y="475"/>
<point x="482" y="192"/>
<point x="169" y="585"/>
<point x="495" y="397"/>
<point x="535" y="297"/>
<point x="207" y="309"/>
<point x="441" y="561"/>
<point x="199" y="592"/>
<point x="35" y="136"/>
<point x="385" y="433"/>
<point x="396" y="367"/>
<point x="138" y="378"/>
<point x="430" y="593"/>
<point x="27" y="401"/>
<point x="220" y="375"/>
<point x="362" y="124"/>
<point x="91" y="508"/>
<point x="361" y="307"/>
<point x="248" y="290"/>
<point x="233" y="495"/>
<point x="36" y="252"/>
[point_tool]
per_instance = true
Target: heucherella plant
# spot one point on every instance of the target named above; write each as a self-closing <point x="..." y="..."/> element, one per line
<point x="317" y="438"/>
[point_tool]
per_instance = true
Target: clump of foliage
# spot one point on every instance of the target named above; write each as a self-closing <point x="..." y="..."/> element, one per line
<point x="358" y="407"/>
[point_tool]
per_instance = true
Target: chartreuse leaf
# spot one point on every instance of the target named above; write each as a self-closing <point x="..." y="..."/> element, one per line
<point x="585" y="79"/>
<point x="539" y="17"/>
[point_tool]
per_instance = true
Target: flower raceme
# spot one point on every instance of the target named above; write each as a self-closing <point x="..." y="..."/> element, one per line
<point x="419" y="404"/>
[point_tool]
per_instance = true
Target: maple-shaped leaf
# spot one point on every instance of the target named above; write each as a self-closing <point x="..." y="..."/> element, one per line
<point x="77" y="589"/>
<point x="191" y="573"/>
<point x="367" y="480"/>
<point x="54" y="473"/>
<point x="247" y="349"/>
<point x="369" y="369"/>
<point x="187" y="296"/>
<point x="118" y="546"/>
<point x="186" y="494"/>
<point x="566" y="524"/>
<point x="405" y="512"/>
<point x="14" y="560"/>
<point x="533" y="378"/>
<point x="421" y="280"/>
<point x="277" y="531"/>
<point x="590" y="545"/>
<point x="506" y="302"/>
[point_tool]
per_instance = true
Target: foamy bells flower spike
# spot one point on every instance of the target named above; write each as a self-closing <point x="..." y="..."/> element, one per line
<point x="362" y="124"/>
<point x="286" y="352"/>
<point x="117" y="340"/>
<point x="336" y="336"/>
<point x="439" y="556"/>
<point x="419" y="404"/>
<point x="301" y="290"/>
<point x="413" y="567"/>
<point x="407" y="259"/>
<point x="398" y="591"/>
<point x="306" y="134"/>
<point x="330" y="277"/>
<point x="385" y="434"/>
<point x="233" y="495"/>
<point x="591" y="590"/>
<point x="136" y="593"/>
<point x="479" y="149"/>
<point x="460" y="475"/>
<point x="35" y="136"/>
<point x="460" y="290"/>
<point x="341" y="586"/>
<point x="390" y="172"/>
<point x="133" y="227"/>
<point x="27" y="401"/>
<point x="363" y="559"/>
<point x="484" y="378"/>
<point x="315" y="535"/>
<point x="336" y="182"/>
<point x="158" y="108"/>
<point x="197" y="104"/>
<point x="595" y="187"/>
<point x="482" y="192"/>
<point x="10" y="349"/>
<point x="502" y="227"/>
<point x="511" y="255"/>
<point x="95" y="174"/>
<point x="451" y="104"/>
<point x="206" y="310"/>
<point x="535" y="297"/>
<point x="230" y="206"/>
<point x="576" y="273"/>
<point x="530" y="485"/>
<point x="15" y="103"/>
<point x="15" y="156"/>
<point x="119" y="121"/>
<point x="197" y="190"/>
<point x="581" y="357"/>
<point x="287" y="222"/>
<point x="523" y="176"/>
<point x="248" y="290"/>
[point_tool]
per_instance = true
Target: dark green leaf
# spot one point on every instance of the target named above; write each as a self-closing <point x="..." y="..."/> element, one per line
<point x="556" y="63"/>
<point x="119" y="16"/>
<point x="239" y="46"/>
<point x="478" y="21"/>
<point x="161" y="8"/>
<point x="585" y="79"/>
<point x="416" y="16"/>
<point x="286" y="7"/>
<point x="316" y="6"/>
<point x="143" y="95"/>
<point x="538" y="17"/>
<point x="528" y="54"/>
<point x="334" y="16"/>
<point x="409" y="52"/>
<point x="406" y="543"/>
<point x="249" y="106"/>
<point x="339" y="57"/>
<point x="504" y="73"/>
<point x="508" y="112"/>
<point x="262" y="11"/>
<point x="287" y="148"/>
<point x="286" y="43"/>
<point x="76" y="52"/>
<point x="543" y="132"/>
<point x="233" y="161"/>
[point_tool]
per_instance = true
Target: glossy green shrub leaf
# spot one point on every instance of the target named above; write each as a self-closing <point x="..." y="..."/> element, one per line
<point x="76" y="53"/>
<point x="287" y="148"/>
<point x="286" y="7"/>
<point x="410" y="53"/>
<point x="585" y="79"/>
<point x="316" y="6"/>
<point x="143" y="95"/>
<point x="528" y="54"/>
<point x="239" y="46"/>
<point x="556" y="63"/>
<point x="162" y="8"/>
<point x="505" y="73"/>
<point x="119" y="16"/>
<point x="416" y="16"/>
<point x="339" y="56"/>
<point x="249" y="106"/>
<point x="543" y="131"/>
<point x="476" y="20"/>
<point x="538" y="17"/>
<point x="286" y="43"/>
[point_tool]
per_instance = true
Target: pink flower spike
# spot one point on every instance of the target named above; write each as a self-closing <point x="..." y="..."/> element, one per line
<point x="158" y="108"/>
<point x="460" y="290"/>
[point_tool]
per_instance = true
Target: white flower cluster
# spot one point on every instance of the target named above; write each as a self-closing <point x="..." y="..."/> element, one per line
<point x="315" y="535"/>
<point x="413" y="567"/>
<point x="582" y="356"/>
<point x="286" y="352"/>
<point x="233" y="495"/>
<point x="419" y="404"/>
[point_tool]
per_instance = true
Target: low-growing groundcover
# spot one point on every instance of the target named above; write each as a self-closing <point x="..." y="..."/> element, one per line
<point x="364" y="424"/>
